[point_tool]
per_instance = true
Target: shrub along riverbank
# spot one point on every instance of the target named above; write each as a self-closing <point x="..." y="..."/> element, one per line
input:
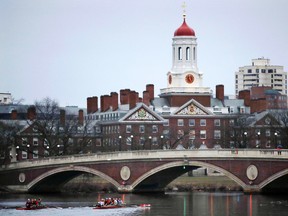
<point x="88" y="183"/>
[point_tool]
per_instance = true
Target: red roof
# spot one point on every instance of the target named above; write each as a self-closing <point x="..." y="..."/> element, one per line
<point x="184" y="30"/>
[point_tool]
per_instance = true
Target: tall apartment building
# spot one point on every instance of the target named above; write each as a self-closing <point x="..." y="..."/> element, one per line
<point x="261" y="73"/>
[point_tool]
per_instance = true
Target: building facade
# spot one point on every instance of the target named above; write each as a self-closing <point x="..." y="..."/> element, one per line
<point x="261" y="73"/>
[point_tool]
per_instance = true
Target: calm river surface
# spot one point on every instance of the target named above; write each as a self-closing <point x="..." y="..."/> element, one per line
<point x="178" y="204"/>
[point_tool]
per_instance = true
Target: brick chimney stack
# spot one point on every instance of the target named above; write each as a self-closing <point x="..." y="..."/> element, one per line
<point x="92" y="104"/>
<point x="220" y="92"/>
<point x="124" y="96"/>
<point x="146" y="98"/>
<point x="31" y="113"/>
<point x="150" y="89"/>
<point x="14" y="115"/>
<point x="114" y="100"/>
<point x="105" y="102"/>
<point x="245" y="94"/>
<point x="132" y="99"/>
<point x="81" y="117"/>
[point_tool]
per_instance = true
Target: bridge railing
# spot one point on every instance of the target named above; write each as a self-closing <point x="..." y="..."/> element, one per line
<point x="260" y="154"/>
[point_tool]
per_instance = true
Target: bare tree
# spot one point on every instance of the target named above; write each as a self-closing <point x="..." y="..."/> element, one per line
<point x="8" y="131"/>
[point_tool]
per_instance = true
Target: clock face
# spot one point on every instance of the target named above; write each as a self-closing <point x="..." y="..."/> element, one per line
<point x="170" y="79"/>
<point x="189" y="78"/>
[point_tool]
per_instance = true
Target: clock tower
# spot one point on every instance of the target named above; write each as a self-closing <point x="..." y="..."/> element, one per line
<point x="184" y="77"/>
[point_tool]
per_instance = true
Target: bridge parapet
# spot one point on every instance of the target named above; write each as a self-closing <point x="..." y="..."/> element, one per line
<point x="152" y="154"/>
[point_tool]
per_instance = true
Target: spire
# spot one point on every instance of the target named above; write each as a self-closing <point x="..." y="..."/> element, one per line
<point x="184" y="10"/>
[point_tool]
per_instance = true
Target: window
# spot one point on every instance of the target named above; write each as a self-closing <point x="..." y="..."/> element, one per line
<point x="154" y="141"/>
<point x="35" y="141"/>
<point x="24" y="155"/>
<point x="128" y="128"/>
<point x="35" y="153"/>
<point x="268" y="143"/>
<point x="142" y="141"/>
<point x="217" y="122"/>
<point x="217" y="134"/>
<point x="231" y="122"/>
<point x="202" y="122"/>
<point x="203" y="134"/>
<point x="166" y="123"/>
<point x="188" y="53"/>
<point x="192" y="134"/>
<point x="154" y="129"/>
<point x="268" y="133"/>
<point x="141" y="129"/>
<point x="128" y="140"/>
<point x="191" y="122"/>
<point x="180" y="53"/>
<point x="180" y="134"/>
<point x="180" y="122"/>
<point x="24" y="141"/>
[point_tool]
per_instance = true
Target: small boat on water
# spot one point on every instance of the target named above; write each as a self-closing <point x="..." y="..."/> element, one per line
<point x="32" y="208"/>
<point x="33" y="204"/>
<point x="123" y="206"/>
<point x="115" y="203"/>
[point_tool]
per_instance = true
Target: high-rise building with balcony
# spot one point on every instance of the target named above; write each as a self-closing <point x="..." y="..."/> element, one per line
<point x="261" y="73"/>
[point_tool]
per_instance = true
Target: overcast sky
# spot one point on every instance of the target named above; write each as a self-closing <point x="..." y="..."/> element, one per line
<point x="69" y="50"/>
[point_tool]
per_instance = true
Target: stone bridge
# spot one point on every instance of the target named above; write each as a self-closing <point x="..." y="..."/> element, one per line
<point x="142" y="171"/>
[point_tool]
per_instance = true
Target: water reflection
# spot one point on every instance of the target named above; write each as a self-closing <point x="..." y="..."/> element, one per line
<point x="186" y="204"/>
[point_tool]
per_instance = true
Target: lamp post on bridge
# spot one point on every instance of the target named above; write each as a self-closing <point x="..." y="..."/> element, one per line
<point x="162" y="141"/>
<point x="276" y="134"/>
<point x="150" y="142"/>
<point x="120" y="142"/>
<point x="258" y="138"/>
<point x="132" y="148"/>
<point x="245" y="139"/>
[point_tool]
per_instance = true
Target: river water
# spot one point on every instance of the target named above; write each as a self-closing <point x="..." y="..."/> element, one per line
<point x="170" y="204"/>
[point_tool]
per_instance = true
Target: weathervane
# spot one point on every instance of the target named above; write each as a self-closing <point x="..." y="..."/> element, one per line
<point x="184" y="9"/>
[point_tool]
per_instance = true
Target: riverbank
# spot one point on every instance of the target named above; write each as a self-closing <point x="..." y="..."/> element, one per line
<point x="87" y="184"/>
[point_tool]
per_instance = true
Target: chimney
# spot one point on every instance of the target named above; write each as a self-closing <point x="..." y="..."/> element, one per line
<point x="105" y="102"/>
<point x="114" y="100"/>
<point x="124" y="96"/>
<point x="81" y="117"/>
<point x="245" y="94"/>
<point x="14" y="115"/>
<point x="220" y="92"/>
<point x="31" y="113"/>
<point x="62" y="117"/>
<point x="146" y="98"/>
<point x="92" y="104"/>
<point x="132" y="99"/>
<point x="150" y="89"/>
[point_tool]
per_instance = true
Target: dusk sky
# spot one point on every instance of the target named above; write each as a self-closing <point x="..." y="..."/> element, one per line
<point x="69" y="50"/>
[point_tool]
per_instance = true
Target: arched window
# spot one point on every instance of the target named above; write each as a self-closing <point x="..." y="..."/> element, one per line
<point x="194" y="53"/>
<point x="180" y="53"/>
<point x="188" y="53"/>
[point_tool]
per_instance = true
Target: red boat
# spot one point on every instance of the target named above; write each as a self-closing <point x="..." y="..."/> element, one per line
<point x="110" y="207"/>
<point x="32" y="208"/>
<point x="123" y="206"/>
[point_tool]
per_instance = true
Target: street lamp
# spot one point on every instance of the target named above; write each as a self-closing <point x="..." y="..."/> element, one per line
<point x="58" y="146"/>
<point x="132" y="142"/>
<point x="120" y="143"/>
<point x="245" y="139"/>
<point x="162" y="141"/>
<point x="258" y="144"/>
<point x="150" y="142"/>
<point x="276" y="134"/>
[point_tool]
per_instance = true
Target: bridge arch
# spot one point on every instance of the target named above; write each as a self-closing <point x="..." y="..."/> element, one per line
<point x="273" y="178"/>
<point x="77" y="169"/>
<point x="186" y="164"/>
